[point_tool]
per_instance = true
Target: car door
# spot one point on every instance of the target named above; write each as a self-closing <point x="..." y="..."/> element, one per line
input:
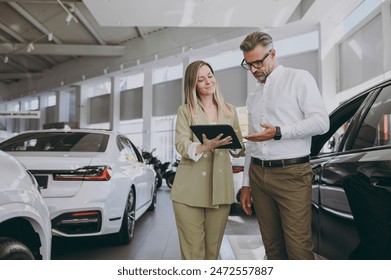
<point x="136" y="170"/>
<point x="324" y="148"/>
<point x="354" y="186"/>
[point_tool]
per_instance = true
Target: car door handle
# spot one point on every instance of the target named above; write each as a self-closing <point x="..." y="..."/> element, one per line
<point x="377" y="185"/>
<point x="381" y="179"/>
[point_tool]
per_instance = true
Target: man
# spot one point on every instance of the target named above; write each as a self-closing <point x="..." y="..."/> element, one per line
<point x="284" y="112"/>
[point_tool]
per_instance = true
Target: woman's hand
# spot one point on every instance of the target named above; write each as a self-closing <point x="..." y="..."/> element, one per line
<point x="210" y="144"/>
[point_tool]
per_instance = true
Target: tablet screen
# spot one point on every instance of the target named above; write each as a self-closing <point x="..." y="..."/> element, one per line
<point x="213" y="130"/>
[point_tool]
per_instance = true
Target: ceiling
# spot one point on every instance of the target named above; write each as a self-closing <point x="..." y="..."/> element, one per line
<point x="37" y="36"/>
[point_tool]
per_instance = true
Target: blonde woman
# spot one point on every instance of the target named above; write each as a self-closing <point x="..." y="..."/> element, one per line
<point x="203" y="188"/>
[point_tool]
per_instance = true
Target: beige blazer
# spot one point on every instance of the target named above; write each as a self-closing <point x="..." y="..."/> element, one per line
<point x="209" y="181"/>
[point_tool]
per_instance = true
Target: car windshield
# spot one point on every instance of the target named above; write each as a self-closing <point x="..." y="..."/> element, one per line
<point x="57" y="142"/>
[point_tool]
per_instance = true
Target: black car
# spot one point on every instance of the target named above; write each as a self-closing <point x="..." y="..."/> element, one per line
<point x="351" y="186"/>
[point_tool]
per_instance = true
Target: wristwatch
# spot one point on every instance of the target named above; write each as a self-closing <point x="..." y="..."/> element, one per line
<point x="278" y="133"/>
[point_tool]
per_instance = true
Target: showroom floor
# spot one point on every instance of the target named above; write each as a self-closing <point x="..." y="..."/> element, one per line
<point x="156" y="239"/>
<point x="241" y="240"/>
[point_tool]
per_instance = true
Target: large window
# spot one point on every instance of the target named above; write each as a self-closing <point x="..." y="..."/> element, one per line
<point x="163" y="137"/>
<point x="361" y="55"/>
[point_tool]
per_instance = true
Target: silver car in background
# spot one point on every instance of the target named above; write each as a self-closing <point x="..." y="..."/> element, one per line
<point x="25" y="228"/>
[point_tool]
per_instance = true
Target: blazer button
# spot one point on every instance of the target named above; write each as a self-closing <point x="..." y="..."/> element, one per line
<point x="205" y="155"/>
<point x="220" y="170"/>
<point x="221" y="153"/>
<point x="203" y="173"/>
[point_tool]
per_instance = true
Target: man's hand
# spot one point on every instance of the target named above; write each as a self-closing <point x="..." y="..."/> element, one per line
<point x="268" y="133"/>
<point x="245" y="200"/>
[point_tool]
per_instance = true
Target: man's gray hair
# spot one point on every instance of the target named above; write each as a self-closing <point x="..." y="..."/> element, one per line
<point x="256" y="38"/>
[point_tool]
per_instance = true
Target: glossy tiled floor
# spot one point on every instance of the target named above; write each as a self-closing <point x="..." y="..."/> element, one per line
<point x="156" y="239"/>
<point x="242" y="240"/>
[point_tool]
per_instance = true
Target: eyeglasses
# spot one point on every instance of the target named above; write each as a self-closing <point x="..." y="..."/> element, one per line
<point x="256" y="64"/>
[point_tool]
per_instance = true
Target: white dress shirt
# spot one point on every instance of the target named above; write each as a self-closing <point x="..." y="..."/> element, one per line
<point x="291" y="100"/>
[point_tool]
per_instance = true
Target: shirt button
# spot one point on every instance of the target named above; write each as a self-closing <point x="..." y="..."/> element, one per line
<point x="205" y="155"/>
<point x="204" y="173"/>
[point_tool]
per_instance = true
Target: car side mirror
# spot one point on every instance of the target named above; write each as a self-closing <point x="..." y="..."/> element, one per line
<point x="331" y="143"/>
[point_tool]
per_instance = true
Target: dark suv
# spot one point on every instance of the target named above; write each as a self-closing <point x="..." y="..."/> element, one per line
<point x="351" y="187"/>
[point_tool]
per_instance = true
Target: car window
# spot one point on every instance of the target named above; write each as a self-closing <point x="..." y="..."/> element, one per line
<point x="375" y="129"/>
<point x="57" y="142"/>
<point x="137" y="152"/>
<point x="334" y="142"/>
<point x="340" y="119"/>
<point x="126" y="149"/>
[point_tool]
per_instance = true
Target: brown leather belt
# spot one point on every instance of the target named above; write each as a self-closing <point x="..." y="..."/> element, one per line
<point x="280" y="162"/>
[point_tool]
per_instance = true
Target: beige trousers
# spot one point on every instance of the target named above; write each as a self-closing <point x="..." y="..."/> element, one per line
<point x="200" y="230"/>
<point x="282" y="202"/>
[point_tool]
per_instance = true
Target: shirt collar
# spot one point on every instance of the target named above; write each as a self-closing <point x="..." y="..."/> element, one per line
<point x="275" y="73"/>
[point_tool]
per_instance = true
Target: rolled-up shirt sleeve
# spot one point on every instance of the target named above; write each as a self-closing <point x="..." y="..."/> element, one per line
<point x="192" y="152"/>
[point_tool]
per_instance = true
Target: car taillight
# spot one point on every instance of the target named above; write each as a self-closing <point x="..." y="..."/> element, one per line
<point x="88" y="173"/>
<point x="237" y="168"/>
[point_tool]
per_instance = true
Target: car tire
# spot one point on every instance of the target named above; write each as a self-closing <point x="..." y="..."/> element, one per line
<point x="126" y="232"/>
<point x="158" y="180"/>
<point x="11" y="249"/>
<point x="170" y="180"/>
<point x="154" y="200"/>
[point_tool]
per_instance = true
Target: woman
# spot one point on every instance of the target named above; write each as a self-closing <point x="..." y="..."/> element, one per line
<point x="203" y="188"/>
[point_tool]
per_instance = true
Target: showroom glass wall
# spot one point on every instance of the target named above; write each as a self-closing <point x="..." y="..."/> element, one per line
<point x="360" y="49"/>
<point x="167" y="95"/>
<point x="359" y="59"/>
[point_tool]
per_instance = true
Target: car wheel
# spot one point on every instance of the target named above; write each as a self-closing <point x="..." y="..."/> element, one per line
<point x="170" y="180"/>
<point x="158" y="180"/>
<point x="154" y="200"/>
<point x="125" y="234"/>
<point x="11" y="249"/>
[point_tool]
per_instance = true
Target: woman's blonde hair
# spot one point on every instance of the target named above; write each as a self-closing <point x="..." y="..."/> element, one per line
<point x="191" y="95"/>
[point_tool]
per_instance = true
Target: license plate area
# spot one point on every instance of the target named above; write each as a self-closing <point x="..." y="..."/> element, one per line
<point x="42" y="181"/>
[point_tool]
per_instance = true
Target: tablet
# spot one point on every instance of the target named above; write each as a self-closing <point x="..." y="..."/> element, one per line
<point x="213" y="130"/>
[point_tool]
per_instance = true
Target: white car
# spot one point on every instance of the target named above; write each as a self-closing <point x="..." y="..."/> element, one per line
<point x="25" y="228"/>
<point x="95" y="182"/>
<point x="237" y="171"/>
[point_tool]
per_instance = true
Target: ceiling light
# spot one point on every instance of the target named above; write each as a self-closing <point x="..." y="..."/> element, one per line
<point x="30" y="47"/>
<point x="69" y="13"/>
<point x="50" y="36"/>
<point x="5" y="59"/>
<point x="69" y="18"/>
